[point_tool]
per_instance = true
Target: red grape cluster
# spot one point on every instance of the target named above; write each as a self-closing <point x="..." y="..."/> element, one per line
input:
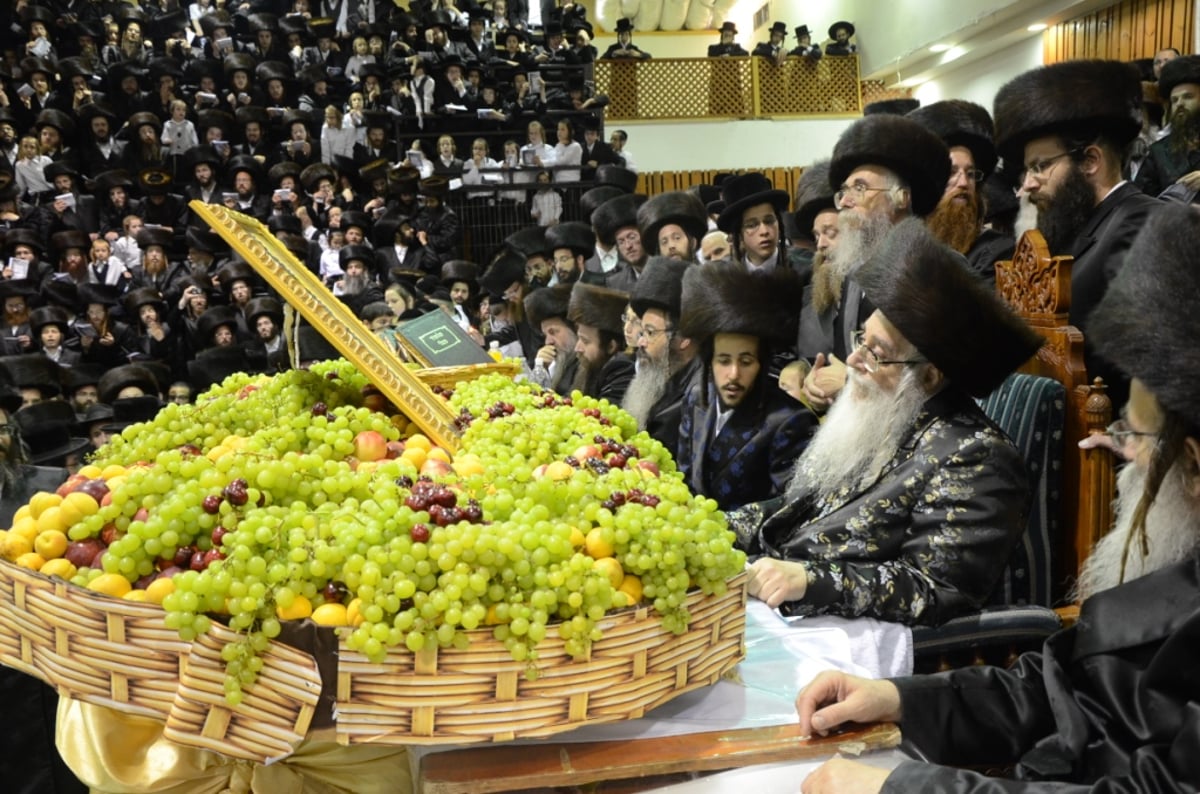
<point x="442" y="504"/>
<point x="634" y="496"/>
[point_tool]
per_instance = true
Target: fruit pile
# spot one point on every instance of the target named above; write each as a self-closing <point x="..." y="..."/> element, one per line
<point x="286" y="497"/>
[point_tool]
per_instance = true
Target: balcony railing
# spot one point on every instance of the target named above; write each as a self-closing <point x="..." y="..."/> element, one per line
<point x="679" y="89"/>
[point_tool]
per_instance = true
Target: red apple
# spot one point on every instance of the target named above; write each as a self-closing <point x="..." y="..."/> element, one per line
<point x="82" y="552"/>
<point x="585" y="452"/>
<point x="649" y="467"/>
<point x="370" y="445"/>
<point x="395" y="449"/>
<point x="97" y="489"/>
<point x="436" y="468"/>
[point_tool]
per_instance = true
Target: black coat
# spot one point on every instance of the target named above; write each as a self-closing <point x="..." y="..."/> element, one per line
<point x="601" y="154"/>
<point x="1162" y="167"/>
<point x="719" y="50"/>
<point x="1112" y="704"/>
<point x="666" y="414"/>
<point x="613" y="379"/>
<point x="989" y="248"/>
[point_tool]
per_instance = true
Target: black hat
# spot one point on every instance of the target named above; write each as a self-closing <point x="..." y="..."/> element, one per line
<point x="529" y="242"/>
<point x="49" y="315"/>
<point x="148" y="237"/>
<point x="1083" y="98"/>
<point x="1184" y="69"/>
<point x="60" y="121"/>
<point x="296" y="244"/>
<point x="163" y="25"/>
<point x="274" y="70"/>
<point x="356" y="218"/>
<point x="813" y="196"/>
<point x="233" y="272"/>
<point x="204" y="240"/>
<point x="249" y="114"/>
<point x="32" y="65"/>
<point x="728" y="26"/>
<point x="962" y="123"/>
<point x="122" y="69"/>
<point x="745" y="191"/>
<point x="37" y="13"/>
<point x="780" y="28"/>
<point x="61" y="292"/>
<point x="914" y="153"/>
<point x="71" y="238"/>
<point x="213" y="365"/>
<point x="101" y="294"/>
<point x="257" y="307"/>
<point x="134" y="300"/>
<point x="212" y="319"/>
<point x="617" y="176"/>
<point x="261" y="21"/>
<point x="316" y="172"/>
<point x="81" y="375"/>
<point x="624" y="25"/>
<point x="23" y="236"/>
<point x="295" y="23"/>
<point x="674" y="207"/>
<point x="72" y="67"/>
<point x="107" y="180"/>
<point x="1130" y="328"/>
<point x="165" y="67"/>
<point x="659" y="287"/>
<point x="245" y="162"/>
<point x="383" y="234"/>
<point x="802" y="31"/>
<point x="10" y="399"/>
<point x="356" y="253"/>
<point x="126" y="411"/>
<point x="143" y="119"/>
<point x="283" y="169"/>
<point x="323" y="27"/>
<point x="118" y="378"/>
<point x="506" y="268"/>
<point x="217" y="19"/>
<point x="849" y="27"/>
<point x="154" y="181"/>
<point x="19" y="288"/>
<point x="547" y="303"/>
<point x="436" y="186"/>
<point x="199" y="68"/>
<point x="239" y="62"/>
<point x="96" y="412"/>
<point x="900" y="106"/>
<point x="9" y="189"/>
<point x="59" y="168"/>
<point x="34" y="371"/>
<point x="573" y="235"/>
<point x="953" y="319"/>
<point x="205" y="120"/>
<point x="591" y="200"/>
<point x="615" y="214"/>
<point x="98" y="108"/>
<point x="46" y="429"/>
<point x="438" y="19"/>
<point x="460" y="270"/>
<point x="599" y="307"/>
<point x="718" y="298"/>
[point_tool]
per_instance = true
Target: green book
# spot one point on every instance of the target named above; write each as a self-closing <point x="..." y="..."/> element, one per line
<point x="441" y="341"/>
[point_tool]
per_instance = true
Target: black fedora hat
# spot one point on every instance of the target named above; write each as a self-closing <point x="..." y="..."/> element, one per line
<point x="841" y="24"/>
<point x="46" y="429"/>
<point x="744" y="191"/>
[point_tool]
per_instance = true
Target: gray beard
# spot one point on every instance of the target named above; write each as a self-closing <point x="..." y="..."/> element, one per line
<point x="352" y="285"/>
<point x="647" y="387"/>
<point x="857" y="240"/>
<point x="1172" y="532"/>
<point x="859" y="436"/>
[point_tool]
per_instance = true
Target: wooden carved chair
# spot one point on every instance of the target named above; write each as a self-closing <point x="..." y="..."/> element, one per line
<point x="1045" y="409"/>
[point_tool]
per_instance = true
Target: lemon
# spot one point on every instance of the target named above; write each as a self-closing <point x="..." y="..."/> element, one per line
<point x="62" y="568"/>
<point x="113" y="470"/>
<point x="299" y="609"/>
<point x="331" y="614"/>
<point x="26" y="527"/>
<point x="77" y="506"/>
<point x="160" y="589"/>
<point x="631" y="586"/>
<point x="353" y="614"/>
<point x="610" y="567"/>
<point x="597" y="545"/>
<point x="418" y="441"/>
<point x="112" y="584"/>
<point x="22" y="512"/>
<point x="578" y="539"/>
<point x="90" y="471"/>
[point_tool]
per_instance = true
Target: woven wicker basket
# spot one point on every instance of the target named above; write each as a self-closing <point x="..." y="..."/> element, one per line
<point x="448" y="377"/>
<point x="118" y="654"/>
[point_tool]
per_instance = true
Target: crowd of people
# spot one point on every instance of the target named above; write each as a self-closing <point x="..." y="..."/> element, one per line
<point x="776" y="49"/>
<point x="816" y="371"/>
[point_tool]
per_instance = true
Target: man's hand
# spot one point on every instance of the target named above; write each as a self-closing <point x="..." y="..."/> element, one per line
<point x="841" y="776"/>
<point x="545" y="356"/>
<point x="824" y="381"/>
<point x="423" y="237"/>
<point x="834" y="698"/>
<point x="775" y="581"/>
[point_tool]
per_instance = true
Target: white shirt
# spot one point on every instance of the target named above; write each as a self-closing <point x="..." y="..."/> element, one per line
<point x="628" y="155"/>
<point x="567" y="154"/>
<point x="608" y="259"/>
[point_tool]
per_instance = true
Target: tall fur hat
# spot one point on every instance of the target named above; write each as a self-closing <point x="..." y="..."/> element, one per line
<point x="813" y="196"/>
<point x="1185" y="69"/>
<point x="599" y="307"/>
<point x="257" y="307"/>
<point x="529" y="242"/>
<point x="917" y="155"/>
<point x="616" y="214"/>
<point x="618" y="176"/>
<point x="677" y="207"/>
<point x="34" y="370"/>
<point x="962" y="123"/>
<point x="1074" y="97"/>
<point x="135" y="299"/>
<point x="892" y="107"/>
<point x="236" y="271"/>
<point x="505" y="269"/>
<point x="460" y="270"/>
<point x="659" y="287"/>
<point x="720" y="298"/>
<point x="212" y="319"/>
<point x="941" y="307"/>
<point x="118" y="378"/>
<point x="316" y="172"/>
<point x="591" y="200"/>
<point x="148" y="237"/>
<point x="71" y="238"/>
<point x="1160" y="352"/>
<point x="547" y="302"/>
<point x="574" y="235"/>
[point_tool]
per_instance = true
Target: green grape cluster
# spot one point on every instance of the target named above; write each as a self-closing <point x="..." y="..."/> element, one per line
<point x="253" y="502"/>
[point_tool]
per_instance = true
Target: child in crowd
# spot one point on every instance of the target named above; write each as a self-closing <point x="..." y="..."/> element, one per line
<point x="546" y="206"/>
<point x="179" y="134"/>
<point x="125" y="247"/>
<point x="361" y="57"/>
<point x="331" y="243"/>
<point x="30" y="165"/>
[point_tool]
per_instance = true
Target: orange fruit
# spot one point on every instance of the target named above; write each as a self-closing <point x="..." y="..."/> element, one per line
<point x="13" y="545"/>
<point x="353" y="615"/>
<point x="31" y="560"/>
<point x="631" y="586"/>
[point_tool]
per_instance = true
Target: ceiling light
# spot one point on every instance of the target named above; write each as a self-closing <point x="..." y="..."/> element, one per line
<point x="1037" y="27"/>
<point x="939" y="47"/>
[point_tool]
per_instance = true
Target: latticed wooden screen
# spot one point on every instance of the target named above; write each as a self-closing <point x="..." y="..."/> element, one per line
<point x="874" y="91"/>
<point x="672" y="89"/>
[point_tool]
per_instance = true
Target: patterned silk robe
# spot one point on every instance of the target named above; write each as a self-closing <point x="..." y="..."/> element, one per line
<point x="927" y="540"/>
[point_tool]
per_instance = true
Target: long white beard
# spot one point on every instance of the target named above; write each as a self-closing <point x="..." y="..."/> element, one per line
<point x="857" y="240"/>
<point x="1172" y="532"/>
<point x="647" y="387"/>
<point x="860" y="434"/>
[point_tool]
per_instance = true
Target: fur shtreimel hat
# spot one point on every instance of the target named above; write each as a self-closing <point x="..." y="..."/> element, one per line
<point x="1160" y="352"/>
<point x="33" y="370"/>
<point x="149" y="237"/>
<point x="917" y="155"/>
<point x="660" y="286"/>
<point x="677" y="207"/>
<point x="954" y="320"/>
<point x="460" y="270"/>
<point x="1185" y="69"/>
<point x="618" y="176"/>
<point x="720" y="298"/>
<point x="529" y="242"/>
<point x="591" y="200"/>
<point x="961" y="123"/>
<point x="547" y="302"/>
<point x="813" y="196"/>
<point x="599" y="307"/>
<point x="573" y="235"/>
<point x="1071" y="98"/>
<point x="259" y="307"/>
<point x="615" y="214"/>
<point x="506" y="269"/>
<point x="901" y="106"/>
<point x="113" y="381"/>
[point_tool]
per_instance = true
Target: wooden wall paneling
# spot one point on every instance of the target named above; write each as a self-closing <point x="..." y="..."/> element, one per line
<point x="1127" y="31"/>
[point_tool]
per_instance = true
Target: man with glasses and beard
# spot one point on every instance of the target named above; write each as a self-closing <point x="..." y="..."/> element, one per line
<point x="739" y="434"/>
<point x="908" y="500"/>
<point x="1176" y="157"/>
<point x="1113" y="703"/>
<point x="667" y="362"/>
<point x="966" y="128"/>
<point x="1070" y="125"/>
<point x="598" y="313"/>
<point x="884" y="169"/>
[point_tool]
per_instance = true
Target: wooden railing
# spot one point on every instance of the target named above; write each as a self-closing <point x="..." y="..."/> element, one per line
<point x="654" y="182"/>
<point x="680" y="89"/>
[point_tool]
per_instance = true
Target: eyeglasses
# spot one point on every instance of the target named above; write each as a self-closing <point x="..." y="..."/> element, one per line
<point x="1041" y="169"/>
<point x="858" y="191"/>
<point x="769" y="221"/>
<point x="972" y="174"/>
<point x="873" y="362"/>
<point x="650" y="333"/>
<point x="629" y="238"/>
<point x="1122" y="434"/>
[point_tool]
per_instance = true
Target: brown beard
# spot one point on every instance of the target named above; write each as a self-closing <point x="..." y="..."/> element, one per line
<point x="827" y="287"/>
<point x="955" y="224"/>
<point x="1185" y="131"/>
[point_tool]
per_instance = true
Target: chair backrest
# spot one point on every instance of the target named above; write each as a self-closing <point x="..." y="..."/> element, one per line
<point x="1031" y="410"/>
<point x="1038" y="286"/>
